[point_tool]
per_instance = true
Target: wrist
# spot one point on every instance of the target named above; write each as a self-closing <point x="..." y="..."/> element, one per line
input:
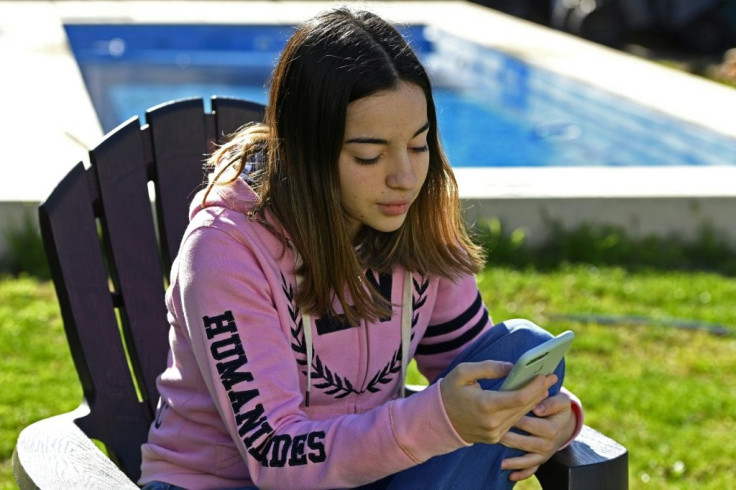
<point x="577" y="416"/>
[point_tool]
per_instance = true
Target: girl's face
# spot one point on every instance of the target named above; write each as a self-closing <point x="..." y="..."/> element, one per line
<point x="384" y="157"/>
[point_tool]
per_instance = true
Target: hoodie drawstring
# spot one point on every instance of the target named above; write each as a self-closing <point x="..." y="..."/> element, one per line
<point x="406" y="320"/>
<point x="307" y="325"/>
<point x="407" y="309"/>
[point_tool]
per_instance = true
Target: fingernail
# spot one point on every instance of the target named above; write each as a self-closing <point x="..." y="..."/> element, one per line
<point x="507" y="366"/>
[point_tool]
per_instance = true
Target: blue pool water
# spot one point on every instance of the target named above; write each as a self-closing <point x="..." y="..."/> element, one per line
<point x="494" y="110"/>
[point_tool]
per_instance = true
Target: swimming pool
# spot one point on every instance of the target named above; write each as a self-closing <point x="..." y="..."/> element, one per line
<point x="494" y="109"/>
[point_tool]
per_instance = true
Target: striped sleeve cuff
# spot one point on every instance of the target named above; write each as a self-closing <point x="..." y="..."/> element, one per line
<point x="577" y="410"/>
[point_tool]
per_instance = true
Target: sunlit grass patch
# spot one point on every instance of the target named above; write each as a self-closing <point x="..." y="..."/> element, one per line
<point x="667" y="393"/>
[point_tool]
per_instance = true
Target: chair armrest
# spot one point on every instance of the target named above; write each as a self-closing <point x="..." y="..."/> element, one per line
<point x="54" y="453"/>
<point x="592" y="461"/>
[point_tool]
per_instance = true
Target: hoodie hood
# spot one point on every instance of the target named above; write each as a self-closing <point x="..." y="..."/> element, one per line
<point x="237" y="195"/>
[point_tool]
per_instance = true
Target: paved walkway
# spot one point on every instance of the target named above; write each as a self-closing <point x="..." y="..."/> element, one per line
<point x="47" y="119"/>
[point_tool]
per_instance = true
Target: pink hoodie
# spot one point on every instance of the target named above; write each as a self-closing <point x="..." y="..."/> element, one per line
<point x="232" y="409"/>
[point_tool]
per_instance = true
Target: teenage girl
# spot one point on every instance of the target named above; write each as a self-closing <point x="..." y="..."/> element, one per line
<point x="327" y="252"/>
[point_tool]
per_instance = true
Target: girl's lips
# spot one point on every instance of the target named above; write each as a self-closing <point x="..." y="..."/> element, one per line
<point x="394" y="208"/>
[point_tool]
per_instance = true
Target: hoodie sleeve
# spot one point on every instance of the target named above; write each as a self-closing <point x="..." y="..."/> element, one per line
<point x="458" y="318"/>
<point x="228" y="310"/>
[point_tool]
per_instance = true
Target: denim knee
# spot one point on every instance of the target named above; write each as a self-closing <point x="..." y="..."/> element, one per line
<point x="526" y="328"/>
<point x="159" y="485"/>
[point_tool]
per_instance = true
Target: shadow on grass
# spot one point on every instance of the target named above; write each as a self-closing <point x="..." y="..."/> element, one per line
<point x="606" y="245"/>
<point x="25" y="252"/>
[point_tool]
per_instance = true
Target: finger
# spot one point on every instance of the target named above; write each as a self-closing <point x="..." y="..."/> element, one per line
<point x="536" y="426"/>
<point x="554" y="404"/>
<point x="502" y="410"/>
<point x="550" y="380"/>
<point x="524" y="474"/>
<point x="529" y="396"/>
<point x="515" y="440"/>
<point x="526" y="443"/>
<point x="525" y="461"/>
<point x="468" y="373"/>
<point x="541" y="446"/>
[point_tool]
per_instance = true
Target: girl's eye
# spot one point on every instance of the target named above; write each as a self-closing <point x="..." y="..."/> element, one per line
<point x="420" y="149"/>
<point x="366" y="161"/>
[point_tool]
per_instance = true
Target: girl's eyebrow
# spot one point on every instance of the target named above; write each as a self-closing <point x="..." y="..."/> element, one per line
<point x="380" y="141"/>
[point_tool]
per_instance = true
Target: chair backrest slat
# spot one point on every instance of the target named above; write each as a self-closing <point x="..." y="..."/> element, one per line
<point x="70" y="234"/>
<point x="135" y="264"/>
<point x="178" y="132"/>
<point x="230" y="114"/>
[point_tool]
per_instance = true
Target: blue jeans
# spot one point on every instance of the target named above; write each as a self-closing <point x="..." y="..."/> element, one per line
<point x="159" y="485"/>
<point x="479" y="465"/>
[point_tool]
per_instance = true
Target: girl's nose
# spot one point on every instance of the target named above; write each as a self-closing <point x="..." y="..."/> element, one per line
<point x="401" y="173"/>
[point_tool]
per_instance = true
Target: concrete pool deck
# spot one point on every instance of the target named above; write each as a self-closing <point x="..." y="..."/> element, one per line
<point x="49" y="121"/>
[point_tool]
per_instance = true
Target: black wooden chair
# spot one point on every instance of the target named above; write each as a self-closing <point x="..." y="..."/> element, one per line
<point x="111" y="232"/>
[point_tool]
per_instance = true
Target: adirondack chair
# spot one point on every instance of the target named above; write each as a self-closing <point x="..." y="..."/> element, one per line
<point x="110" y="242"/>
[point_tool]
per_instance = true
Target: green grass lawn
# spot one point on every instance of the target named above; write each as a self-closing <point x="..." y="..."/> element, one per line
<point x="668" y="394"/>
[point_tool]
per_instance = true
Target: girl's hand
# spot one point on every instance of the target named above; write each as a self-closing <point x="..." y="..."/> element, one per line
<point x="552" y="427"/>
<point x="480" y="415"/>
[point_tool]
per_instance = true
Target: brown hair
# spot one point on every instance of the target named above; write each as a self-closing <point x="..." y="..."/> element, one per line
<point x="333" y="59"/>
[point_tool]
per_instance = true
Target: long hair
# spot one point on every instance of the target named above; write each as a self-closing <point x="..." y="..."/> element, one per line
<point x="333" y="59"/>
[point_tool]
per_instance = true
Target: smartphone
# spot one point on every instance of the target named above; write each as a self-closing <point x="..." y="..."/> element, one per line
<point x="542" y="359"/>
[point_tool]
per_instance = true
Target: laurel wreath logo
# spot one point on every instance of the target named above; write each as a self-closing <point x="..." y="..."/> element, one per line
<point x="331" y="382"/>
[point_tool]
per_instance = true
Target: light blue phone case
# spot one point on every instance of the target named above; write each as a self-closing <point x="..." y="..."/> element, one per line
<point x="542" y="359"/>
